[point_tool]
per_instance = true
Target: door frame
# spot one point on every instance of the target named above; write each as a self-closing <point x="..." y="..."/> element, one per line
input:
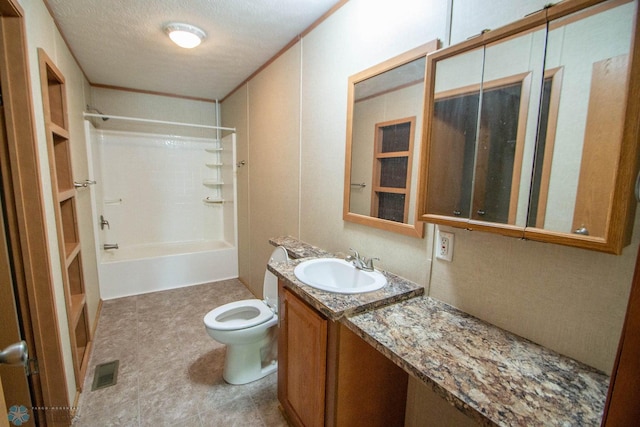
<point x="26" y="228"/>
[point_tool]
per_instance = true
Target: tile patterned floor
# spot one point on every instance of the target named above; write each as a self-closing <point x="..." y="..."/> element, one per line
<point x="170" y="371"/>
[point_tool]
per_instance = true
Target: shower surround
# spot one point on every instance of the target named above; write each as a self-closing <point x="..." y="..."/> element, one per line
<point x="167" y="201"/>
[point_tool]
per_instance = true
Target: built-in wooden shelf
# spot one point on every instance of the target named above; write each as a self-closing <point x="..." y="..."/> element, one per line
<point x="77" y="305"/>
<point x="64" y="194"/>
<point x="58" y="131"/>
<point x="71" y="250"/>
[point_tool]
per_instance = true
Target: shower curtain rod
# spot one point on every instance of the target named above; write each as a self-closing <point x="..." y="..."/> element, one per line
<point x="135" y="119"/>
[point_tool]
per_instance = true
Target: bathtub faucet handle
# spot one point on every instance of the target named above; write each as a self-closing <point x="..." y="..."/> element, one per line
<point x="104" y="222"/>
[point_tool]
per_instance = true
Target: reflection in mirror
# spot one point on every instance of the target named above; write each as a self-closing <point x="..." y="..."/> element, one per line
<point x="383" y="139"/>
<point x="384" y="120"/>
<point x="391" y="183"/>
<point x="544" y="147"/>
<point x="483" y="130"/>
<point x="579" y="144"/>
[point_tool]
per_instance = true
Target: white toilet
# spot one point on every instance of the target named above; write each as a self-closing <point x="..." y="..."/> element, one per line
<point x="248" y="328"/>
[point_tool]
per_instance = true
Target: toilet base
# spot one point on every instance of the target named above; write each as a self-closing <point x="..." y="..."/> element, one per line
<point x="244" y="364"/>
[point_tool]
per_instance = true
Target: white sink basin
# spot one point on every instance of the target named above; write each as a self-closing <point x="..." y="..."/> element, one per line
<point x="338" y="275"/>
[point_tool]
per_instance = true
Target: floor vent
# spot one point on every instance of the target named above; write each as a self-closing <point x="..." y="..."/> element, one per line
<point x="106" y="375"/>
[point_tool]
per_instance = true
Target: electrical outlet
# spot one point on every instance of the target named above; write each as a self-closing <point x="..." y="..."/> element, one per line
<point x="444" y="245"/>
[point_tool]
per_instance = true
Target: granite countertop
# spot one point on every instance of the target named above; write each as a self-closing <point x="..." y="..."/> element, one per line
<point x="494" y="376"/>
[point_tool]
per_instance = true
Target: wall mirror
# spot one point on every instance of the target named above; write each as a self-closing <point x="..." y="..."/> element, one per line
<point x="585" y="89"/>
<point x="529" y="129"/>
<point x="384" y="128"/>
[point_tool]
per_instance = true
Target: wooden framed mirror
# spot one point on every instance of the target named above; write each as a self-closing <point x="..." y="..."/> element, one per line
<point x="384" y="128"/>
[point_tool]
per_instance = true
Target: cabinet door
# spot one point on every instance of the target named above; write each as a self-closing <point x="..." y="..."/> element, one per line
<point x="302" y="362"/>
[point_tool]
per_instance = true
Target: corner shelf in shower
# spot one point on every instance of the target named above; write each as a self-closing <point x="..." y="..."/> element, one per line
<point x="212" y="182"/>
<point x="64" y="196"/>
<point x="214" y="164"/>
<point x="213" y="149"/>
<point x="213" y="200"/>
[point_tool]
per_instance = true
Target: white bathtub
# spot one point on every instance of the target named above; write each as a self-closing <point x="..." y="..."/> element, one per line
<point x="141" y="269"/>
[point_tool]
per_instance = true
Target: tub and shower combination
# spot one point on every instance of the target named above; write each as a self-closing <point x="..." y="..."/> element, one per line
<point x="164" y="203"/>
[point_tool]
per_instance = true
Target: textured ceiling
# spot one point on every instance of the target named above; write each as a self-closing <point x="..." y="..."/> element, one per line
<point x="121" y="42"/>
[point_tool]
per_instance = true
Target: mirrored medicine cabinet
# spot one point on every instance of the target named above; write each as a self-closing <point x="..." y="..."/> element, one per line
<point x="384" y="127"/>
<point x="531" y="130"/>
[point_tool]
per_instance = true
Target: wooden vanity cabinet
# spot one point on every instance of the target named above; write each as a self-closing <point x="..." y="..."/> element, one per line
<point x="302" y="356"/>
<point x="328" y="376"/>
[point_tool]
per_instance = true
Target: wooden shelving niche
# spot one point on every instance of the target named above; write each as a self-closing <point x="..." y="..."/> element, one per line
<point x="64" y="196"/>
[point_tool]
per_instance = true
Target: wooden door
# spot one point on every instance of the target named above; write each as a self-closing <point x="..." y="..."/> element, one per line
<point x="302" y="362"/>
<point x="4" y="421"/>
<point x="14" y="378"/>
<point x="622" y="408"/>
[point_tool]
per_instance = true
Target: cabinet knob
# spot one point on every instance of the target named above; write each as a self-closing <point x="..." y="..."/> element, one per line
<point x="457" y="213"/>
<point x="481" y="212"/>
<point x="582" y="231"/>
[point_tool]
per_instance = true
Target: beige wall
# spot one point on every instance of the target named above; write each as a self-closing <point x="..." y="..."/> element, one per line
<point x="271" y="145"/>
<point x="155" y="107"/>
<point x="42" y="33"/>
<point x="570" y="300"/>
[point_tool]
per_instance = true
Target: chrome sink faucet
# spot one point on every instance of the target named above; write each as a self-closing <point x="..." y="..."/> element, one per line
<point x="361" y="263"/>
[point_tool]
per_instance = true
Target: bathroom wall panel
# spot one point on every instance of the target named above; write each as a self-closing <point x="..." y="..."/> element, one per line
<point x="235" y="114"/>
<point x="274" y="158"/>
<point x="470" y="17"/>
<point x="149" y="106"/>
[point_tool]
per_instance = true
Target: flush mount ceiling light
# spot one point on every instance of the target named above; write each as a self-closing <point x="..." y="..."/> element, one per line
<point x="184" y="35"/>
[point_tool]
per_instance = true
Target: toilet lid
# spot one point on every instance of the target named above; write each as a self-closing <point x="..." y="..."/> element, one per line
<point x="238" y="315"/>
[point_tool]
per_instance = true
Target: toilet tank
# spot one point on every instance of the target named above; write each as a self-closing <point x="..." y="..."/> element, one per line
<point x="270" y="285"/>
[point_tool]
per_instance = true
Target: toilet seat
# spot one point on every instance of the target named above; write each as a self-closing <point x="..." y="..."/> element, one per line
<point x="238" y="315"/>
